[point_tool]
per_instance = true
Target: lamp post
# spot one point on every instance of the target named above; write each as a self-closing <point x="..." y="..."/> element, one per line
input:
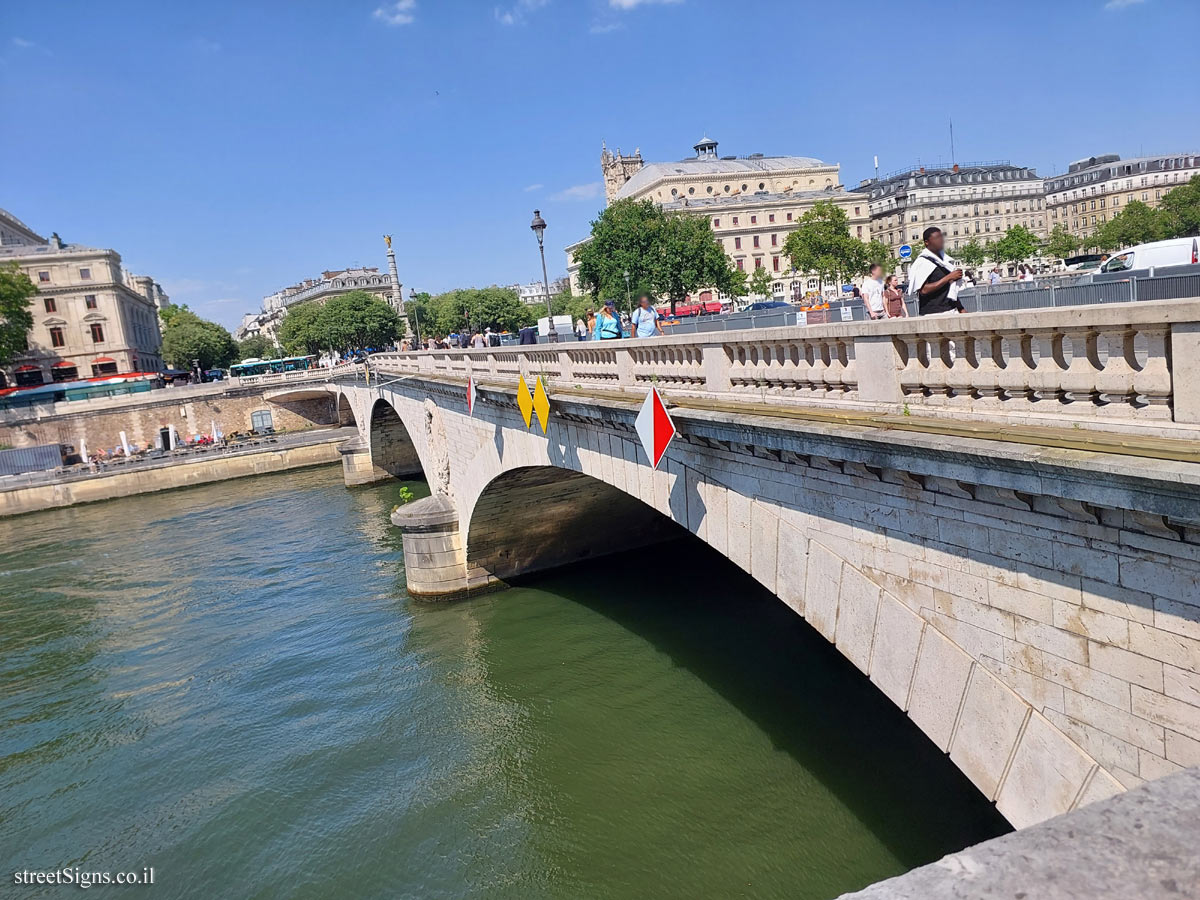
<point x="538" y="226"/>
<point x="628" y="296"/>
<point x="412" y="295"/>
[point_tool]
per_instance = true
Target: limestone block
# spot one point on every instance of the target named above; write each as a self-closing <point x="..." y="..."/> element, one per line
<point x="989" y="725"/>
<point x="1182" y="685"/>
<point x="1074" y="676"/>
<point x="975" y="641"/>
<point x="822" y="589"/>
<point x="1111" y="752"/>
<point x="1029" y="604"/>
<point x="1182" y="749"/>
<point x="1053" y="640"/>
<point x="1101" y="787"/>
<point x="1176" y="617"/>
<point x="894" y="652"/>
<point x="938" y="685"/>
<point x="858" y="605"/>
<point x="1151" y="766"/>
<point x="1169" y="712"/>
<point x="792" y="564"/>
<point x="697" y="513"/>
<point x="715" y="495"/>
<point x="764" y="544"/>
<point x="1164" y="645"/>
<point x="1161" y="579"/>
<point x="1128" y="727"/>
<point x="738" y="510"/>
<point x="1046" y="775"/>
<point x="1039" y="692"/>
<point x="1127" y="666"/>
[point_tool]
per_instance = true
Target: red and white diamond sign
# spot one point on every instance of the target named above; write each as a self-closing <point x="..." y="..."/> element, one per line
<point x="654" y="427"/>
<point x="471" y="395"/>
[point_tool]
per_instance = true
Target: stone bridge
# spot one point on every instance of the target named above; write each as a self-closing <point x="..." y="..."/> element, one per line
<point x="995" y="517"/>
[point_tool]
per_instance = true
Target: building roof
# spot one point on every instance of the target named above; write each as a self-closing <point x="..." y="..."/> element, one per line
<point x="17" y="223"/>
<point x="759" y="198"/>
<point x="651" y="173"/>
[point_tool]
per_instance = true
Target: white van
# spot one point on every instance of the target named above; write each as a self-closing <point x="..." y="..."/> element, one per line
<point x="1176" y="252"/>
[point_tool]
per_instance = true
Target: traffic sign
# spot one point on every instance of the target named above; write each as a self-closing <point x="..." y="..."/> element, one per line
<point x="905" y="251"/>
<point x="654" y="427"/>
<point x="524" y="401"/>
<point x="471" y="396"/>
<point x="541" y="404"/>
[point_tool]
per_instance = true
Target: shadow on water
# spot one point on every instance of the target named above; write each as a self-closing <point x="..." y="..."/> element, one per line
<point x="720" y="625"/>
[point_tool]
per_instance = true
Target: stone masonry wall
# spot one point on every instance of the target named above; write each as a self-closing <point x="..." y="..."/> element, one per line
<point x="144" y="414"/>
<point x="1049" y="646"/>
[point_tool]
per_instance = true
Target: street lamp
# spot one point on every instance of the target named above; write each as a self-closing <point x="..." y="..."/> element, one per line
<point x="628" y="297"/>
<point x="412" y="295"/>
<point x="538" y="226"/>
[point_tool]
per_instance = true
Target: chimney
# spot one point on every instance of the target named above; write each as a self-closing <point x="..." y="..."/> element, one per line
<point x="955" y="169"/>
<point x="922" y="170"/>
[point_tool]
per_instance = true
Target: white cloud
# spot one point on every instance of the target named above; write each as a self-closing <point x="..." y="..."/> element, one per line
<point x="578" y="192"/>
<point x="632" y="4"/>
<point x="204" y="45"/>
<point x="534" y="187"/>
<point x="605" y="27"/>
<point x="399" y="12"/>
<point x="22" y="43"/>
<point x="516" y="14"/>
<point x="1121" y="4"/>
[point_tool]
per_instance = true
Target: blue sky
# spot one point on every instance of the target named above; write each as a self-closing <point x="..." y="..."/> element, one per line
<point x="229" y="149"/>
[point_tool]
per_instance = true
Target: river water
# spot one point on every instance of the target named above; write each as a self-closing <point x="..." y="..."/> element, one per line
<point x="229" y="684"/>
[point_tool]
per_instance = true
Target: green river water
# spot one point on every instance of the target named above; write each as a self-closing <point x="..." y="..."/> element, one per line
<point x="229" y="684"/>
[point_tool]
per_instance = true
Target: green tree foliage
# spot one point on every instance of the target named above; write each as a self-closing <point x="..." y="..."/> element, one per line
<point x="256" y="347"/>
<point x="739" y="283"/>
<point x="1061" y="243"/>
<point x="354" y="321"/>
<point x="417" y="310"/>
<point x="16" y="316"/>
<point x="822" y="244"/>
<point x="477" y="308"/>
<point x="972" y="253"/>
<point x="168" y="313"/>
<point x="760" y="282"/>
<point x="690" y="258"/>
<point x="187" y="337"/>
<point x="879" y="253"/>
<point x="625" y="238"/>
<point x="567" y="304"/>
<point x="1137" y="223"/>
<point x="1179" y="212"/>
<point x="1017" y="245"/>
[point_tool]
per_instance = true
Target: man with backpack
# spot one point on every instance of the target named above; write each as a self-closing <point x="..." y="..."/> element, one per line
<point x="645" y="319"/>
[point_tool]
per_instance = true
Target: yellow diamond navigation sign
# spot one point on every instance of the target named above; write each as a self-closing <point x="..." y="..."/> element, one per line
<point x="524" y="401"/>
<point x="541" y="404"/>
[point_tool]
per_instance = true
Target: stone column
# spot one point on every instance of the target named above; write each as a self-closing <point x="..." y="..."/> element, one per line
<point x="357" y="467"/>
<point x="435" y="562"/>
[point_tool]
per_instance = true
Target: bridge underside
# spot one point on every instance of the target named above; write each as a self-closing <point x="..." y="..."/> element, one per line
<point x="533" y="519"/>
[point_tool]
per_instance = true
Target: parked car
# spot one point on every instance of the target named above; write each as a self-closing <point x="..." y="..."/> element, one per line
<point x="768" y="304"/>
<point x="1175" y="252"/>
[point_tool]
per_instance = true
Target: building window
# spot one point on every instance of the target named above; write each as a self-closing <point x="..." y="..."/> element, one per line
<point x="756" y="240"/>
<point x="50" y="304"/>
<point x="737" y="243"/>
<point x="774" y="240"/>
<point x="860" y="231"/>
<point x="771" y="217"/>
<point x="754" y="220"/>
<point x="740" y="266"/>
<point x="775" y="263"/>
<point x="89" y="301"/>
<point x="716" y="223"/>
<point x="762" y="186"/>
<point x="97" y="333"/>
<point x="789" y="217"/>
<point x="260" y="420"/>
<point x="44" y="277"/>
<point x="856" y="212"/>
<point x="758" y="262"/>
<point x="85" y="274"/>
<point x="56" y="337"/>
<point x="735" y="220"/>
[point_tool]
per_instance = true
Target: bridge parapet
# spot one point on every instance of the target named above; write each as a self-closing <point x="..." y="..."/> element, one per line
<point x="1110" y="367"/>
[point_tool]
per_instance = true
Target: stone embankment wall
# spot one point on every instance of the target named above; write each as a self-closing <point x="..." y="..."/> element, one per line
<point x="141" y="416"/>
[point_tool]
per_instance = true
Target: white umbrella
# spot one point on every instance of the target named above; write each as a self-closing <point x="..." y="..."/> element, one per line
<point x="125" y="444"/>
<point x="216" y="434"/>
<point x="171" y="434"/>
<point x="83" y="449"/>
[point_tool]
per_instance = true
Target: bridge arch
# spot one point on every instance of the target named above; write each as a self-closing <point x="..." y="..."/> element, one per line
<point x="392" y="448"/>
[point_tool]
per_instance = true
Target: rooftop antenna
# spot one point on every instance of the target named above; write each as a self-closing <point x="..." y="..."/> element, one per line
<point x="952" y="159"/>
<point x="876" y="167"/>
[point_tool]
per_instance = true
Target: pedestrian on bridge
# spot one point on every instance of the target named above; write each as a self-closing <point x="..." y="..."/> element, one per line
<point x="645" y="319"/>
<point x="934" y="277"/>
<point x="608" y="326"/>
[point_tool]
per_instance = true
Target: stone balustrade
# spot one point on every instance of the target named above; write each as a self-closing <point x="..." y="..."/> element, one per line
<point x="1114" y="366"/>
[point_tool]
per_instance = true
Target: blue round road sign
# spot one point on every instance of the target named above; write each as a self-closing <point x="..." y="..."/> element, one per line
<point x="905" y="251"/>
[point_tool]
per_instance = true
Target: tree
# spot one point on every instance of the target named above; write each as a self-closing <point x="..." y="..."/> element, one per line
<point x="255" y="347"/>
<point x="1061" y="243"/>
<point x="760" y="282"/>
<point x="1017" y="245"/>
<point x="357" y="321"/>
<point x="188" y="337"/>
<point x="822" y="243"/>
<point x="739" y="284"/>
<point x="298" y="332"/>
<point x="567" y="304"/>
<point x="16" y="317"/>
<point x="690" y="257"/>
<point x="972" y="253"/>
<point x="479" y="308"/>
<point x="1179" y="212"/>
<point x="625" y="238"/>
<point x="880" y="254"/>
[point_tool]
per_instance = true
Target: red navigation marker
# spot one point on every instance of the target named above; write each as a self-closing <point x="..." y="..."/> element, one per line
<point x="471" y="395"/>
<point x="654" y="427"/>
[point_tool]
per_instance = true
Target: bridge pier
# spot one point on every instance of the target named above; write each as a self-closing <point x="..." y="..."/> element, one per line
<point x="435" y="559"/>
<point x="357" y="467"/>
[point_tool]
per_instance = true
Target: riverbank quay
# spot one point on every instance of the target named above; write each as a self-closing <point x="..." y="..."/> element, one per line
<point x="35" y="491"/>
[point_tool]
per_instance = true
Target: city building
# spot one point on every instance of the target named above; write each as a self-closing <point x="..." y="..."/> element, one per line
<point x="535" y="292"/>
<point x="90" y="316"/>
<point x="969" y="202"/>
<point x="752" y="203"/>
<point x="1095" y="189"/>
